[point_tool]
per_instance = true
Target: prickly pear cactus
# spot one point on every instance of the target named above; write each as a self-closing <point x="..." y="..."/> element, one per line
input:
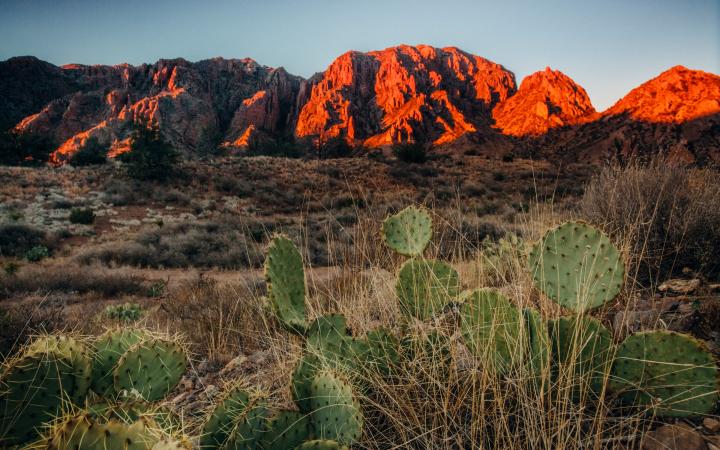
<point x="302" y="378"/>
<point x="84" y="433"/>
<point x="582" y="350"/>
<point x="285" y="278"/>
<point x="221" y="421"/>
<point x="321" y="444"/>
<point x="424" y="287"/>
<point x="52" y="372"/>
<point x="577" y="266"/>
<point x="409" y="231"/>
<point x="328" y="336"/>
<point x="172" y="444"/>
<point x="670" y="374"/>
<point x="152" y="367"/>
<point x="378" y="352"/>
<point x="286" y="429"/>
<point x="109" y="348"/>
<point x="249" y="428"/>
<point x="538" y="341"/>
<point x="491" y="328"/>
<point x="336" y="411"/>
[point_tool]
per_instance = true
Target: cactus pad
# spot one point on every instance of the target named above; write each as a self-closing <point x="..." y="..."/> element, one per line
<point x="328" y="337"/>
<point x="109" y="348"/>
<point x="249" y="428"/>
<point x="336" y="410"/>
<point x="577" y="266"/>
<point x="51" y="372"/>
<point x="287" y="429"/>
<point x="491" y="328"/>
<point x="221" y="421"/>
<point x="84" y="433"/>
<point x="321" y="444"/>
<point x="409" y="231"/>
<point x="424" y="287"/>
<point x="302" y="378"/>
<point x="669" y="373"/>
<point x="582" y="349"/>
<point x="153" y="367"/>
<point x="378" y="352"/>
<point x="538" y="341"/>
<point x="285" y="278"/>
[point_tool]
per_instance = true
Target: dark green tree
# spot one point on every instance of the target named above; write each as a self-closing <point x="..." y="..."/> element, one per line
<point x="150" y="157"/>
<point x="92" y="153"/>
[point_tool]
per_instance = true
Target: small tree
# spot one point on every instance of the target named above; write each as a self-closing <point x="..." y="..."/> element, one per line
<point x="24" y="149"/>
<point x="335" y="147"/>
<point x="92" y="153"/>
<point x="150" y="158"/>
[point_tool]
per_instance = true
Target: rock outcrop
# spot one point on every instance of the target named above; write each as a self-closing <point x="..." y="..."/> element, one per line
<point x="456" y="101"/>
<point x="546" y="99"/>
<point x="196" y="106"/>
<point x="404" y="94"/>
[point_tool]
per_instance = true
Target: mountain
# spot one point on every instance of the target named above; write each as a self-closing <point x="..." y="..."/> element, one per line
<point x="402" y="94"/>
<point x="453" y="100"/>
<point x="195" y="105"/>
<point x="546" y="99"/>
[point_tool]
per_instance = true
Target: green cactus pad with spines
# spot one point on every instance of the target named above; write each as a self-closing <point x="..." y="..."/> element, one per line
<point x="328" y="336"/>
<point x="491" y="327"/>
<point x="670" y="374"/>
<point x="302" y="378"/>
<point x="377" y="352"/>
<point x="221" y="421"/>
<point x="172" y="444"/>
<point x="84" y="433"/>
<point x="250" y="426"/>
<point x="109" y="348"/>
<point x="409" y="231"/>
<point x="424" y="287"/>
<point x="285" y="277"/>
<point x="153" y="367"/>
<point x="133" y="409"/>
<point x="577" y="266"/>
<point x="581" y="347"/>
<point x="51" y="373"/>
<point x="321" y="444"/>
<point x="538" y="341"/>
<point x="336" y="412"/>
<point x="286" y="430"/>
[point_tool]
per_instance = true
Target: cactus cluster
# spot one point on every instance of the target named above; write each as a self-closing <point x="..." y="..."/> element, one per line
<point x="55" y="376"/>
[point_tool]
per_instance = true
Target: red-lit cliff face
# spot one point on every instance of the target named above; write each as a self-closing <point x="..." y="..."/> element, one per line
<point x="195" y="105"/>
<point x="404" y="93"/>
<point x="546" y="99"/>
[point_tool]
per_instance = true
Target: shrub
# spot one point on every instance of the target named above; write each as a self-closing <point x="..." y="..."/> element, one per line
<point x="336" y="147"/>
<point x="126" y="312"/>
<point x="668" y="216"/>
<point x="150" y="158"/>
<point x="17" y="239"/>
<point x="281" y="147"/>
<point x="91" y="154"/>
<point x="413" y="152"/>
<point x="37" y="253"/>
<point x="83" y="216"/>
<point x="24" y="149"/>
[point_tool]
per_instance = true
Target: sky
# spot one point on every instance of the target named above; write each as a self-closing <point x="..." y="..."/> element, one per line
<point x="607" y="46"/>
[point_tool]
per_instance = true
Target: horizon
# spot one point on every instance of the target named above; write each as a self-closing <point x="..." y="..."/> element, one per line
<point x="608" y="48"/>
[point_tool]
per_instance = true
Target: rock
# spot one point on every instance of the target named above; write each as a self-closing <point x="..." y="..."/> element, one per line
<point x="680" y="286"/>
<point x="546" y="99"/>
<point x="404" y="93"/>
<point x="673" y="437"/>
<point x="711" y="424"/>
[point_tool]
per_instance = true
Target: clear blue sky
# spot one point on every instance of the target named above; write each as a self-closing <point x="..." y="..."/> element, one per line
<point x="608" y="46"/>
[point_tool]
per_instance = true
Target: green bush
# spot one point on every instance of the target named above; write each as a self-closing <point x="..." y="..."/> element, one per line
<point x="84" y="216"/>
<point x="281" y="147"/>
<point x="150" y="158"/>
<point x="24" y="149"/>
<point x="126" y="312"/>
<point x="92" y="153"/>
<point x="17" y="239"/>
<point x="37" y="253"/>
<point x="336" y="147"/>
<point x="411" y="152"/>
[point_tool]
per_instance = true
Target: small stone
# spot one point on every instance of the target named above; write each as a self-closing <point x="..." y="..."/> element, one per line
<point x="673" y="437"/>
<point x="712" y="425"/>
<point x="680" y="286"/>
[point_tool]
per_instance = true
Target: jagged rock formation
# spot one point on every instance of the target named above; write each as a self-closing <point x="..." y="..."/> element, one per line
<point x="546" y="99"/>
<point x="195" y="105"/>
<point x="403" y="94"/>
<point x="457" y="101"/>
